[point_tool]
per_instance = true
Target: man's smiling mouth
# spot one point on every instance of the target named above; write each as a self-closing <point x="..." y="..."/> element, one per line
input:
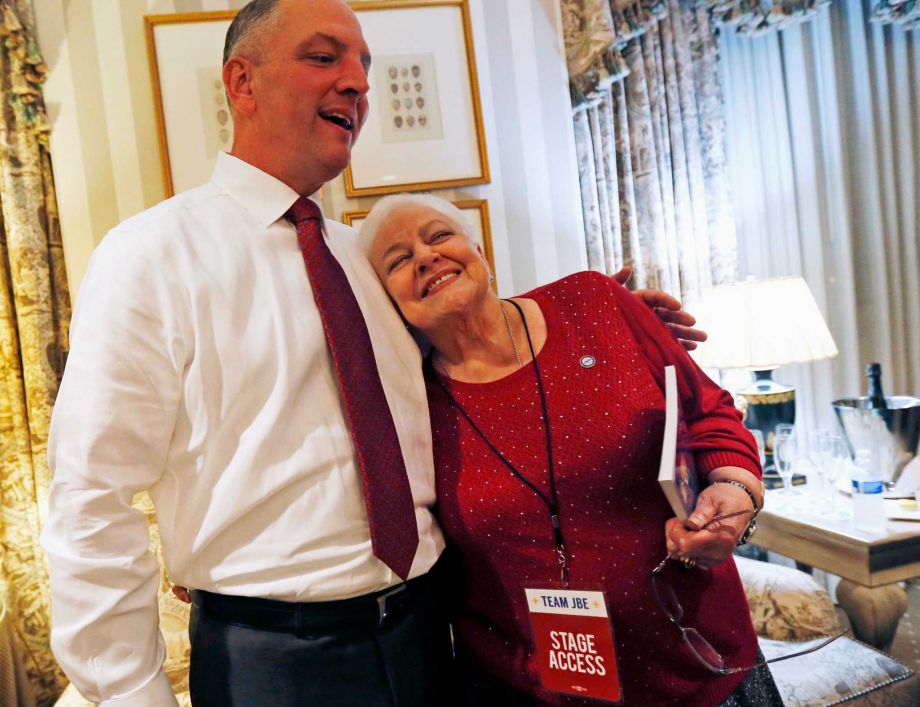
<point x="340" y="119"/>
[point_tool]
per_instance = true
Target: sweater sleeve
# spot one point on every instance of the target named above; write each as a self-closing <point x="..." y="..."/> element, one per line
<point x="718" y="437"/>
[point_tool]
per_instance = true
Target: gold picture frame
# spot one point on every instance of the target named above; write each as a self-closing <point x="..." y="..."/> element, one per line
<point x="477" y="210"/>
<point x="184" y="50"/>
<point x="425" y="129"/>
<point x="183" y="54"/>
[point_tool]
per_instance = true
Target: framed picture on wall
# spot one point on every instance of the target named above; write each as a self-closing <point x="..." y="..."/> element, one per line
<point x="424" y="130"/>
<point x="193" y="117"/>
<point x="476" y="210"/>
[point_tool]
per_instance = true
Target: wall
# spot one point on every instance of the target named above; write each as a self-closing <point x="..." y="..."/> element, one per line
<point x="106" y="156"/>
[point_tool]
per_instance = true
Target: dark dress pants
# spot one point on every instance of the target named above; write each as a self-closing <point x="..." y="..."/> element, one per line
<point x="404" y="662"/>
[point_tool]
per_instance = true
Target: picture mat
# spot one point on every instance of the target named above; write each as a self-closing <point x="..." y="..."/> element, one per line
<point x="439" y="31"/>
<point x="215" y="111"/>
<point x="182" y="50"/>
<point x="424" y="86"/>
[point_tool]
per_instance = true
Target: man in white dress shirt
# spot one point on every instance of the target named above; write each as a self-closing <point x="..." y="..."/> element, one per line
<point x="199" y="371"/>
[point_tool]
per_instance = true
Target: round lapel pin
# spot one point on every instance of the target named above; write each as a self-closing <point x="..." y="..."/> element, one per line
<point x="587" y="361"/>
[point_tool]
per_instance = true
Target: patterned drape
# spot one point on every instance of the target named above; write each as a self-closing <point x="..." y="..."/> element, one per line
<point x="649" y="131"/>
<point x="594" y="34"/>
<point x="753" y="17"/>
<point x="824" y="160"/>
<point x="899" y="12"/>
<point x="34" y="315"/>
<point x="596" y="31"/>
<point x="652" y="163"/>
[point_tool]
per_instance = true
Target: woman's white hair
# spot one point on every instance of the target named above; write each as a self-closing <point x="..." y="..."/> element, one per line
<point x="384" y="208"/>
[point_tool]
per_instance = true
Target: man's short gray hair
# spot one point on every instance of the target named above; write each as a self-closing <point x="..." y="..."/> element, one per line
<point x="384" y="208"/>
<point x="248" y="24"/>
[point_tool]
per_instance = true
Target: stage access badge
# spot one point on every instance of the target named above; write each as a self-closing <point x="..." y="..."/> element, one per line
<point x="574" y="643"/>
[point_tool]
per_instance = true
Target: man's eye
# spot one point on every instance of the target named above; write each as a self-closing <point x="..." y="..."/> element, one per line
<point x="440" y="235"/>
<point x="322" y="58"/>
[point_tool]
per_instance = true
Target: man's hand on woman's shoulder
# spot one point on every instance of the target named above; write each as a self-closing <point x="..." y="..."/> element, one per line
<point x="669" y="310"/>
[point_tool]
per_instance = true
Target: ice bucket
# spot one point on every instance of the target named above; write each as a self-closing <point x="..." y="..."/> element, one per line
<point x="892" y="435"/>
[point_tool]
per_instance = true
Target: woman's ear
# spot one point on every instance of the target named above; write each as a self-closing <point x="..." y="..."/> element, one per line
<point x="486" y="263"/>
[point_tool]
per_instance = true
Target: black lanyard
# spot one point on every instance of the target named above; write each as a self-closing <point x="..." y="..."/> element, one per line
<point x="551" y="502"/>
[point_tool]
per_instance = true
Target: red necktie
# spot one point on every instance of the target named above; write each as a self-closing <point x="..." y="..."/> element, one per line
<point x="390" y="508"/>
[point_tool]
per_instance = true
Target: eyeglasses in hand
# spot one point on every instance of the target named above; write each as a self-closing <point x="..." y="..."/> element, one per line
<point x="702" y="649"/>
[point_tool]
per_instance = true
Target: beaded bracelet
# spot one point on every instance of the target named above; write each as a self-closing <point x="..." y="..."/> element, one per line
<point x="752" y="524"/>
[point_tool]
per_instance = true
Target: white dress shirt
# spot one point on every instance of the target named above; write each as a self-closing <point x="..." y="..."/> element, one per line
<point x="199" y="370"/>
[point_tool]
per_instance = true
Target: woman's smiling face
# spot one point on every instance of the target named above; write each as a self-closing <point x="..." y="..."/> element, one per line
<point x="429" y="265"/>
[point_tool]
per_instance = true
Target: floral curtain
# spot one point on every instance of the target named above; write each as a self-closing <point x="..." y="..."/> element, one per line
<point x="651" y="159"/>
<point x="753" y="17"/>
<point x="596" y="31"/>
<point x="594" y="34"/>
<point x="34" y="316"/>
<point x="905" y="13"/>
<point x="649" y="131"/>
<point x="823" y="159"/>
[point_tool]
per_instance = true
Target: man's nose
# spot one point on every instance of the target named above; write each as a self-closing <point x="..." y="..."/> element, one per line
<point x="354" y="77"/>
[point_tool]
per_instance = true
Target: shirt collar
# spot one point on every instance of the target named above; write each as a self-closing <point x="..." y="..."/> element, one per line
<point x="264" y="196"/>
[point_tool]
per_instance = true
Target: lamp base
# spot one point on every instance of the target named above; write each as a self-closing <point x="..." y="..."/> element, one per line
<point x="768" y="404"/>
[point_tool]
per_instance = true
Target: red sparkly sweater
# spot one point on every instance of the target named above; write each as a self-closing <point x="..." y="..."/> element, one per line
<point x="607" y="426"/>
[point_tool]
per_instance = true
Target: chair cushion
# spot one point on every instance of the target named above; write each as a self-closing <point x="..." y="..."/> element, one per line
<point x="842" y="671"/>
<point x="786" y="604"/>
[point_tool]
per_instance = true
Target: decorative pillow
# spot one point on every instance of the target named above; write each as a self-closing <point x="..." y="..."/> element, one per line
<point x="174" y="614"/>
<point x="174" y="618"/>
<point x="786" y="604"/>
<point x="837" y="673"/>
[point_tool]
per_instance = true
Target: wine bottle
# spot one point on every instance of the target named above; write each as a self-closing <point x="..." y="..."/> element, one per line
<point x="875" y="394"/>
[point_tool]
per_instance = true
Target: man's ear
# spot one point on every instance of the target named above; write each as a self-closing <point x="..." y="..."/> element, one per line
<point x="237" y="77"/>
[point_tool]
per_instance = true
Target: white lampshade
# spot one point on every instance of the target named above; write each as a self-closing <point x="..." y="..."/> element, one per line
<point x="761" y="325"/>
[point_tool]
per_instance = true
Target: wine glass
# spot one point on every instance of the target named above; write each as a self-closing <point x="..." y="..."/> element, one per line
<point x="818" y="453"/>
<point x="838" y="456"/>
<point x="761" y="448"/>
<point x="784" y="455"/>
<point x="781" y="428"/>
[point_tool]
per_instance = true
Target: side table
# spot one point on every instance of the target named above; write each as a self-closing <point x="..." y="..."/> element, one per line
<point x="870" y="563"/>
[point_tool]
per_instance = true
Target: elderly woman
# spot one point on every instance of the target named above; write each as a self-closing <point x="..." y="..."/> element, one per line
<point x="546" y="413"/>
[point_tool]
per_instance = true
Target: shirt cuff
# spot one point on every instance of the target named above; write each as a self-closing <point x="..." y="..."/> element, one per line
<point x="707" y="461"/>
<point x="156" y="692"/>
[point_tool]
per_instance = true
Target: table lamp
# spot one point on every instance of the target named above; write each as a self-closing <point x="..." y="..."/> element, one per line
<point x="761" y="325"/>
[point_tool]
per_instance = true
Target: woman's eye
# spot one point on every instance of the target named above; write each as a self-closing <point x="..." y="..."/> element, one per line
<point x="440" y="235"/>
<point x="398" y="261"/>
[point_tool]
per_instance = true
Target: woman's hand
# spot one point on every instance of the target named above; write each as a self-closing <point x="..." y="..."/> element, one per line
<point x="699" y="538"/>
<point x="668" y="310"/>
